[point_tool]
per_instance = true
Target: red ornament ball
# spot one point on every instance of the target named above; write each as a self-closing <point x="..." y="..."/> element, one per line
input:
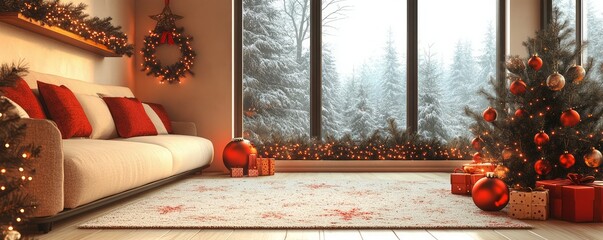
<point x="490" y="194"/>
<point x="535" y="62"/>
<point x="476" y="143"/>
<point x="593" y="158"/>
<point x="541" y="138"/>
<point x="570" y="118"/>
<point x="521" y="113"/>
<point x="507" y="153"/>
<point x="576" y="74"/>
<point x="489" y="114"/>
<point x="518" y="87"/>
<point x="542" y="167"/>
<point x="555" y="81"/>
<point x="567" y="160"/>
<point x="477" y="157"/>
<point x="236" y="153"/>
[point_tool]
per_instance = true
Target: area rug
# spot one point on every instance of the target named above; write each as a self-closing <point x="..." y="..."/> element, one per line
<point x="265" y="202"/>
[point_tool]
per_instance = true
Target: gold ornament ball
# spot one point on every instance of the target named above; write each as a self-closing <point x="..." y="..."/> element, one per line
<point x="501" y="171"/>
<point x="507" y="153"/>
<point x="576" y="73"/>
<point x="593" y="158"/>
<point x="555" y="81"/>
<point x="515" y="65"/>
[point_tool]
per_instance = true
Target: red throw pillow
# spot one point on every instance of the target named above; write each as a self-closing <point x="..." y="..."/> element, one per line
<point x="158" y="108"/>
<point x="65" y="110"/>
<point x="22" y="95"/>
<point x="129" y="116"/>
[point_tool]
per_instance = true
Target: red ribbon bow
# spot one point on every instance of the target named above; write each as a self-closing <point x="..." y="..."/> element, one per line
<point x="578" y="179"/>
<point x="167" y="37"/>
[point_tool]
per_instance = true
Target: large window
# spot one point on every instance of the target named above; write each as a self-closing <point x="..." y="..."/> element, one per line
<point x="352" y="68"/>
<point x="585" y="17"/>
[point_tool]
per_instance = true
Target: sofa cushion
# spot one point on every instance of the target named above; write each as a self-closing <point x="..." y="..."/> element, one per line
<point x="99" y="116"/>
<point x="188" y="152"/>
<point x="158" y="108"/>
<point x="159" y="126"/>
<point x="22" y="95"/>
<point x="98" y="168"/>
<point x="129" y="116"/>
<point x="65" y="110"/>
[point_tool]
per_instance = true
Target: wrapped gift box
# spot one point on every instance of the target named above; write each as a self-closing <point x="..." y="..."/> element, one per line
<point x="462" y="183"/>
<point x="555" y="193"/>
<point x="253" y="173"/>
<point x="478" y="167"/>
<point x="236" y="172"/>
<point x="529" y="205"/>
<point x="271" y="166"/>
<point x="264" y="166"/>
<point x="576" y="203"/>
<point x="252" y="161"/>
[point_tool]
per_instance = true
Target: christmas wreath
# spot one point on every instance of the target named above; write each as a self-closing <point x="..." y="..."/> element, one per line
<point x="166" y="32"/>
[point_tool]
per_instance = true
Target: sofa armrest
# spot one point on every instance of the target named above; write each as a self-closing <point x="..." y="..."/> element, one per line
<point x="184" y="128"/>
<point x="46" y="188"/>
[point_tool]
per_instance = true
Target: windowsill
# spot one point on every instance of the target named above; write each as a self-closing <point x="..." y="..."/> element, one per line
<point x="369" y="165"/>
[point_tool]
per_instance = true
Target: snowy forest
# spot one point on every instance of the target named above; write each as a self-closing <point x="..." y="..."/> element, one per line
<point x="360" y="97"/>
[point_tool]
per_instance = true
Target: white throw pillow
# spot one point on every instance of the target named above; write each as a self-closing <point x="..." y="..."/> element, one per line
<point x="18" y="109"/>
<point x="155" y="119"/>
<point x="99" y="116"/>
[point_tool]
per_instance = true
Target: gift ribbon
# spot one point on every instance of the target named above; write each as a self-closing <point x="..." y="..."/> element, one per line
<point x="578" y="179"/>
<point x="465" y="171"/>
<point x="167" y="37"/>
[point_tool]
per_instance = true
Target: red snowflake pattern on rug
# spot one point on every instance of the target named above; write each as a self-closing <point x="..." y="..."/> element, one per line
<point x="319" y="186"/>
<point x="349" y="215"/>
<point x="170" y="209"/>
<point x="277" y="215"/>
<point x="210" y="189"/>
<point x="362" y="193"/>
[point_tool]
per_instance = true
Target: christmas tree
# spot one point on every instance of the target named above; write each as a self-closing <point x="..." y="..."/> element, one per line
<point x="544" y="120"/>
<point x="15" y="159"/>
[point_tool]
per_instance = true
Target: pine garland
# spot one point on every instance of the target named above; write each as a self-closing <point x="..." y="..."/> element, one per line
<point x="510" y="140"/>
<point x="71" y="17"/>
<point x="15" y="160"/>
<point x="391" y="145"/>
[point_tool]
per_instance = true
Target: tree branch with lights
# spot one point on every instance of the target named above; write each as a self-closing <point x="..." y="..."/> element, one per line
<point x="15" y="160"/>
<point x="545" y="121"/>
<point x="71" y="17"/>
<point x="166" y="32"/>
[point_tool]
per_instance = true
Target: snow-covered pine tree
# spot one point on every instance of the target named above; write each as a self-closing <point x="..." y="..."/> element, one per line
<point x="274" y="96"/>
<point x="595" y="36"/>
<point x="431" y="124"/>
<point x="332" y="114"/>
<point x="462" y="75"/>
<point x="393" y="103"/>
<point x="553" y="127"/>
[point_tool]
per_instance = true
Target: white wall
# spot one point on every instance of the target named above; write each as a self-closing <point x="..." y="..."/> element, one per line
<point x="50" y="56"/>
<point x="524" y="21"/>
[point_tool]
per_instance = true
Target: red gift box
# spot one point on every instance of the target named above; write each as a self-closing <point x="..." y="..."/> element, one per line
<point x="578" y="203"/>
<point x="252" y="162"/>
<point x="462" y="183"/>
<point x="236" y="172"/>
<point x="555" y="195"/>
<point x="598" y="208"/>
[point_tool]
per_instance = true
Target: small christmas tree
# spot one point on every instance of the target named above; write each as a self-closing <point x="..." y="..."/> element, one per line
<point x="15" y="159"/>
<point x="545" y="121"/>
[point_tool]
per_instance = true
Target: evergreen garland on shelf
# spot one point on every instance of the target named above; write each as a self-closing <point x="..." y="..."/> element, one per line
<point x="71" y="17"/>
<point x="15" y="160"/>
<point x="395" y="145"/>
<point x="543" y="125"/>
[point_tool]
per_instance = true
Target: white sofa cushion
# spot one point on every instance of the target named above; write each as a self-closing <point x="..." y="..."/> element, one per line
<point x="99" y="116"/>
<point x="188" y="152"/>
<point x="98" y="168"/>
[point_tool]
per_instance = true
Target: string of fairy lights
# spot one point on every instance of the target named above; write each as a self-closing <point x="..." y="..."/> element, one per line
<point x="72" y="18"/>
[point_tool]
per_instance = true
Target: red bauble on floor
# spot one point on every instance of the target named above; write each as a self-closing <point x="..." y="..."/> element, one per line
<point x="236" y="153"/>
<point x="490" y="194"/>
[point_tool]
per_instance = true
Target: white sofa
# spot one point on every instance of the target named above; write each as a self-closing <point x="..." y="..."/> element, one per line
<point x="78" y="174"/>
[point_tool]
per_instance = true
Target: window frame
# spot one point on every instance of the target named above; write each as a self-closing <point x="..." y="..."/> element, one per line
<point x="316" y="63"/>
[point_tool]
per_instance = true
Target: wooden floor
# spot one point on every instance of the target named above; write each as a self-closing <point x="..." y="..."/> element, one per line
<point x="551" y="229"/>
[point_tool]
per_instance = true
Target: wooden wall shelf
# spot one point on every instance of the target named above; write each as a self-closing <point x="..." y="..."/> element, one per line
<point x="17" y="19"/>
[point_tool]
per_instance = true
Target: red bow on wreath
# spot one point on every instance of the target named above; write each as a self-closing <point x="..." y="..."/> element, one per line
<point x="578" y="179"/>
<point x="167" y="37"/>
